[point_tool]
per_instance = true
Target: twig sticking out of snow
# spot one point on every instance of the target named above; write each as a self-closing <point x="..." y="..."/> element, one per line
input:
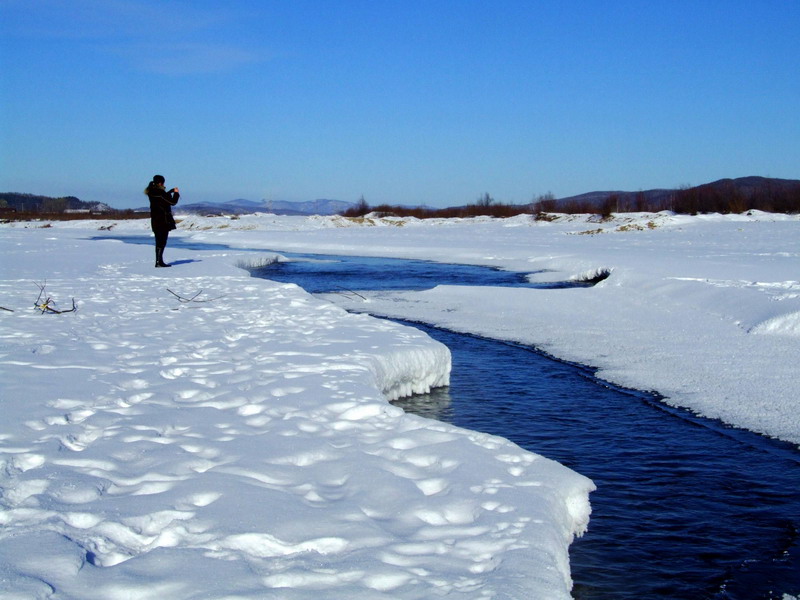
<point x="48" y="305"/>
<point x="185" y="300"/>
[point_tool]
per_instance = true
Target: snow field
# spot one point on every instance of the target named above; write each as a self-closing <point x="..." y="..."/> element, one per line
<point x="241" y="445"/>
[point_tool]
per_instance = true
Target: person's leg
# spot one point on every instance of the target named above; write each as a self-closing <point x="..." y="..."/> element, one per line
<point x="163" y="246"/>
<point x="158" y="247"/>
<point x="161" y="242"/>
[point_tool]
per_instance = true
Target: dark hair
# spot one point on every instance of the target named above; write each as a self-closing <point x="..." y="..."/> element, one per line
<point x="157" y="180"/>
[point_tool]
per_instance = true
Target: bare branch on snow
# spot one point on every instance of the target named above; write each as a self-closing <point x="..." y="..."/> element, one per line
<point x="48" y="305"/>
<point x="185" y="300"/>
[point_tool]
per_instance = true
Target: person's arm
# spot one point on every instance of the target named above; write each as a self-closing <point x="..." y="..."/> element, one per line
<point x="168" y="198"/>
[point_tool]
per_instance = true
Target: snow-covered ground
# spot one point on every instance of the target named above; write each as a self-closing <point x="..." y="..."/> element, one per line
<point x="241" y="445"/>
<point x="238" y="442"/>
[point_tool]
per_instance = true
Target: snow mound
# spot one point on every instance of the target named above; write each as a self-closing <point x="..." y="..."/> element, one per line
<point x="592" y="276"/>
<point x="401" y="372"/>
<point x="788" y="324"/>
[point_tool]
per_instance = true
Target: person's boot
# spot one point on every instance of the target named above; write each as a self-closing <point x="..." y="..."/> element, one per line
<point x="160" y="258"/>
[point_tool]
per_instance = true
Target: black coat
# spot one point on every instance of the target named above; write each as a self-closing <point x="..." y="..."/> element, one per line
<point x="161" y="203"/>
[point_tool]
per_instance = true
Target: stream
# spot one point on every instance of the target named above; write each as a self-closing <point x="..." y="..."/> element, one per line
<point x="686" y="508"/>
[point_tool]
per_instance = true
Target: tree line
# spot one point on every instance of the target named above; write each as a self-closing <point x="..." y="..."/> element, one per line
<point x="36" y="203"/>
<point x="18" y="206"/>
<point x="725" y="196"/>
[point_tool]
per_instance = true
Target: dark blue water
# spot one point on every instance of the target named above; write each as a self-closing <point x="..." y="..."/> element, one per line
<point x="317" y="273"/>
<point x="686" y="508"/>
<point x="173" y="242"/>
<point x="320" y="273"/>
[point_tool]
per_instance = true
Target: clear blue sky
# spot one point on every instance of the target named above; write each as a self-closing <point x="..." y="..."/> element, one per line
<point x="401" y="101"/>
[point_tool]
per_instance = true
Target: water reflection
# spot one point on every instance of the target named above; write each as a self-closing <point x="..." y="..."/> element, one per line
<point x="437" y="405"/>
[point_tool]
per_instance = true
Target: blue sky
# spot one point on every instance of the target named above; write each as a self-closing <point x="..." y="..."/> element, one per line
<point x="407" y="102"/>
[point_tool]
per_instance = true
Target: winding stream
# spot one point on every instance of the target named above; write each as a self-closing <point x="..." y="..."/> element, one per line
<point x="686" y="507"/>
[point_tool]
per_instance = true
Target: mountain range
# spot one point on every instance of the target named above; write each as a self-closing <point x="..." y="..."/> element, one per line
<point x="713" y="196"/>
<point x="724" y="195"/>
<point x="276" y="207"/>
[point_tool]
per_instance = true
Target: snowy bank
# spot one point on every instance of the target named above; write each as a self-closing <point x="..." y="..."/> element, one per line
<point x="704" y="310"/>
<point x="237" y="442"/>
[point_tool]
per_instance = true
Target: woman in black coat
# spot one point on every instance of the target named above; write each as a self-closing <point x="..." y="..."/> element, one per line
<point x="161" y="219"/>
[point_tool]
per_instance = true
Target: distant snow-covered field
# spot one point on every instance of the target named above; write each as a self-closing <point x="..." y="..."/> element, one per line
<point x="240" y="443"/>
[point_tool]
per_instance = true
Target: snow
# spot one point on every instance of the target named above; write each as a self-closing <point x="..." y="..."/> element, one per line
<point x="241" y="444"/>
<point x="197" y="433"/>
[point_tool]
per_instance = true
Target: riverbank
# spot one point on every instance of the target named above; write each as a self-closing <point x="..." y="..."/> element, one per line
<point x="194" y="432"/>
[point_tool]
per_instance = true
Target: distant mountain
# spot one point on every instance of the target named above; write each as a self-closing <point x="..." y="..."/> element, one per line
<point x="724" y="195"/>
<point x="277" y="207"/>
<point x="753" y="185"/>
<point x="310" y="207"/>
<point x="38" y="204"/>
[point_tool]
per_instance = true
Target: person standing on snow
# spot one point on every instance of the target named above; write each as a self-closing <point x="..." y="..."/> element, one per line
<point x="161" y="219"/>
